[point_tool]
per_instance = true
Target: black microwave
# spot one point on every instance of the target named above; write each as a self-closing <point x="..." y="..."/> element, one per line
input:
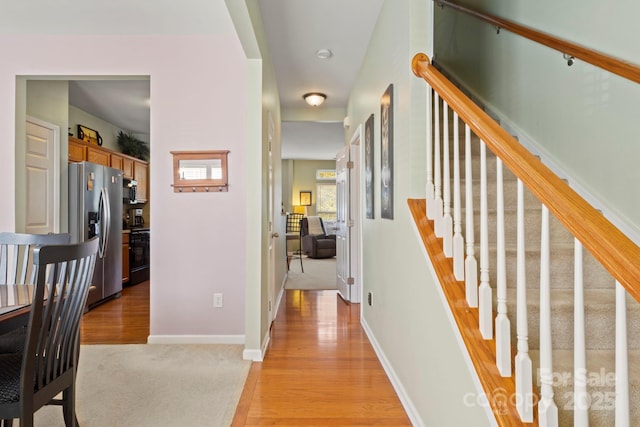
<point x="129" y="191"/>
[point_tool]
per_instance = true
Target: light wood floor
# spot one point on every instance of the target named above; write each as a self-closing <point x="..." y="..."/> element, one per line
<point x="123" y="320"/>
<point x="320" y="368"/>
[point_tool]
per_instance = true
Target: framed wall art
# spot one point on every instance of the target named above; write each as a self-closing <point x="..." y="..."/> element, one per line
<point x="305" y="198"/>
<point x="386" y="151"/>
<point x="368" y="167"/>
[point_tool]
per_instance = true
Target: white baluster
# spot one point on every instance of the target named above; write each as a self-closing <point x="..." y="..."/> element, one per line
<point x="524" y="374"/>
<point x="458" y="240"/>
<point x="547" y="409"/>
<point x="430" y="190"/>
<point x="503" y="325"/>
<point x="581" y="398"/>
<point x="622" y="362"/>
<point x="447" y="221"/>
<point x="470" y="263"/>
<point x="485" y="296"/>
<point x="437" y="179"/>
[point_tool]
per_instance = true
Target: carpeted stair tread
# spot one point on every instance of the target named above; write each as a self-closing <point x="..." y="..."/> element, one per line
<point x="561" y="267"/>
<point x="599" y="318"/>
<point x="600" y="385"/>
<point x="599" y="289"/>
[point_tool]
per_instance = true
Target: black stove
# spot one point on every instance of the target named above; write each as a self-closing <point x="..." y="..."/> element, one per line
<point x="139" y="255"/>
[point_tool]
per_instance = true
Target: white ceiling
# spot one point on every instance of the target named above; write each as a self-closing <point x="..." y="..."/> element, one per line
<point x="295" y="31"/>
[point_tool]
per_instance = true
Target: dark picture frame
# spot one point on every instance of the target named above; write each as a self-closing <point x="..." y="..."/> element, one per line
<point x="368" y="167"/>
<point x="386" y="151"/>
<point x="305" y="198"/>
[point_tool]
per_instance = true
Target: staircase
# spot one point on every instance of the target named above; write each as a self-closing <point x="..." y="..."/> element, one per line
<point x="599" y="300"/>
<point x="598" y="285"/>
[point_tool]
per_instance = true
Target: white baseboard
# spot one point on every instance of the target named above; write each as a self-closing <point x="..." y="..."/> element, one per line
<point x="195" y="339"/>
<point x="252" y="354"/>
<point x="407" y="404"/>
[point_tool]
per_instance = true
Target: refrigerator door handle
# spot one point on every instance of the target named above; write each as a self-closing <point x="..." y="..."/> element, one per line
<point x="106" y="220"/>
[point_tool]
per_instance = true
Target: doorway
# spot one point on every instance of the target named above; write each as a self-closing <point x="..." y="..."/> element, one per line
<point x="348" y="233"/>
<point x="42" y="169"/>
<point x="58" y="105"/>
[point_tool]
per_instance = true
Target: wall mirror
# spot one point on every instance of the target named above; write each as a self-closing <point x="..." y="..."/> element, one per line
<point x="195" y="171"/>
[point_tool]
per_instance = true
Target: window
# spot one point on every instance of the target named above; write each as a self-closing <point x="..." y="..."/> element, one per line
<point x="326" y="200"/>
<point x="326" y="175"/>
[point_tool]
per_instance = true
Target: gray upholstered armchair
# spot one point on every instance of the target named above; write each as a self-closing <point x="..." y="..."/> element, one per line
<point x="316" y="243"/>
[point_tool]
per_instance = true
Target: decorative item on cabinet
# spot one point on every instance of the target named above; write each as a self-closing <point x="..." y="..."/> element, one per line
<point x="89" y="135"/>
<point x="133" y="146"/>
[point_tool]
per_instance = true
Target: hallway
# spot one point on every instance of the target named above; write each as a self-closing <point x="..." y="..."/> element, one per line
<point x="320" y="369"/>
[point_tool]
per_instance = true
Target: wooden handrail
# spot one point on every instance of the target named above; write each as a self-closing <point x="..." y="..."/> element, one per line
<point x="614" y="65"/>
<point x="612" y="248"/>
<point x="482" y="352"/>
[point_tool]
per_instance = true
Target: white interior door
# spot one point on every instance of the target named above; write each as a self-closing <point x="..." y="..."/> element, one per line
<point x="348" y="224"/>
<point x="42" y="184"/>
<point x="354" y="219"/>
<point x="343" y="269"/>
<point x="272" y="230"/>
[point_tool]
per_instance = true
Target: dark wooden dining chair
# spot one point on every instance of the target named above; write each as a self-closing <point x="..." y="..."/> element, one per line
<point x="16" y="268"/>
<point x="16" y="254"/>
<point x="293" y="234"/>
<point x="48" y="365"/>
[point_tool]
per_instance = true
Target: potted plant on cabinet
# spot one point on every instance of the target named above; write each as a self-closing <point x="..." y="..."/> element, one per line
<point x="131" y="145"/>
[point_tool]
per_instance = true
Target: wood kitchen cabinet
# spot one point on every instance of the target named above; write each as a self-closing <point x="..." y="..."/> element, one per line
<point x="116" y="161"/>
<point x="131" y="167"/>
<point x="127" y="167"/>
<point x="77" y="150"/>
<point x="98" y="155"/>
<point x="125" y="257"/>
<point x="141" y="174"/>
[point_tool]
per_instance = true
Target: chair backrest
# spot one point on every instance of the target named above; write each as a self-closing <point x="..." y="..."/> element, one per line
<point x="16" y="255"/>
<point x="62" y="286"/>
<point x="293" y="222"/>
<point x="312" y="225"/>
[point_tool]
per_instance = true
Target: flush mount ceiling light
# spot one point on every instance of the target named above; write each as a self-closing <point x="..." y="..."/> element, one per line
<point x="314" y="98"/>
<point x="324" y="54"/>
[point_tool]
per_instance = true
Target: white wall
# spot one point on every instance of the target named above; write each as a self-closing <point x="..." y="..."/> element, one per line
<point x="582" y="118"/>
<point x="199" y="101"/>
<point x="407" y="320"/>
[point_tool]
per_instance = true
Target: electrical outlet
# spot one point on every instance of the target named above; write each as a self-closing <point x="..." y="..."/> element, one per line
<point x="217" y="300"/>
<point x="370" y="299"/>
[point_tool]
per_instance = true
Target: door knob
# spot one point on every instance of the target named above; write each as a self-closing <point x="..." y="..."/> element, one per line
<point x="275" y="235"/>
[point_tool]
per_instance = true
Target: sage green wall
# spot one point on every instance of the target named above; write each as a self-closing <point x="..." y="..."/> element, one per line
<point x="581" y="118"/>
<point x="408" y="321"/>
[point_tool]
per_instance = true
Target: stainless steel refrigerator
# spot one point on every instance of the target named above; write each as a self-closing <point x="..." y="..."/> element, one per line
<point x="95" y="209"/>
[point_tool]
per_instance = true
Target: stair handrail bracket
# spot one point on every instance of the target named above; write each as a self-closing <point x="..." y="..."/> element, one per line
<point x="612" y="248"/>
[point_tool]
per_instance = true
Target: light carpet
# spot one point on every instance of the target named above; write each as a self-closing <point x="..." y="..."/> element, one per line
<point x="319" y="274"/>
<point x="155" y="385"/>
